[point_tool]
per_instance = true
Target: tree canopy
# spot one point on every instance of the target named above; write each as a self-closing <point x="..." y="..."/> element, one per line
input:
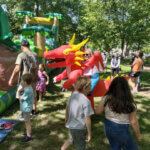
<point x="109" y="24"/>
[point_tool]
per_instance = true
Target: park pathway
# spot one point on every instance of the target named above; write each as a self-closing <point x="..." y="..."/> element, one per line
<point x="145" y="91"/>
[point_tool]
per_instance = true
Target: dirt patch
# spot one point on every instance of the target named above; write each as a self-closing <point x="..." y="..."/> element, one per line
<point x="145" y="91"/>
<point x="146" y="68"/>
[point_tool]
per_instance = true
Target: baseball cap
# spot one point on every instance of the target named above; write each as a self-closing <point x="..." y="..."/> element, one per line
<point x="25" y="43"/>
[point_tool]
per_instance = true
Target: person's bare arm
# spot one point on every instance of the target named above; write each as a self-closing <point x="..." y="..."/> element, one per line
<point x="135" y="125"/>
<point x="19" y="93"/>
<point x="134" y="62"/>
<point x="88" y="125"/>
<point x="47" y="82"/>
<point x="100" y="108"/>
<point x="15" y="72"/>
<point x="66" y="115"/>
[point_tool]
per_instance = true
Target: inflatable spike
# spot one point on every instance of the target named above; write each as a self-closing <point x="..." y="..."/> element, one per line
<point x="77" y="63"/>
<point x="66" y="51"/>
<point x="72" y="40"/>
<point x="101" y="77"/>
<point x="108" y="78"/>
<point x="77" y="47"/>
<point x="79" y="53"/>
<point x="116" y="75"/>
<point x="46" y="50"/>
<point x="79" y="58"/>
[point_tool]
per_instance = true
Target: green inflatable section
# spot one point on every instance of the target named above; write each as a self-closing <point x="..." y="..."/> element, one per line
<point x="6" y="98"/>
<point x="5" y="34"/>
<point x="50" y="32"/>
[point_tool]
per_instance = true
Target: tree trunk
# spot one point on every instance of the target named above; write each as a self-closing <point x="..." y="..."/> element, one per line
<point x="139" y="46"/>
<point x="123" y="48"/>
<point x="36" y="10"/>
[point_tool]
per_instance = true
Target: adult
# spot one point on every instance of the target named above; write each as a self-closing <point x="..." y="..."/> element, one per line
<point x="115" y="62"/>
<point x="136" y="70"/>
<point x="105" y="61"/>
<point x="92" y="72"/>
<point x="26" y="62"/>
<point x="133" y="56"/>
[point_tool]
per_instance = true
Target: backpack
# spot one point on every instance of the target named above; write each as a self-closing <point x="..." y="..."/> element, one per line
<point x="31" y="63"/>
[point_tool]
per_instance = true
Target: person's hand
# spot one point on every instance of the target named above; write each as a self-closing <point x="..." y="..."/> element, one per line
<point x="64" y="90"/>
<point x="54" y="80"/>
<point x="20" y="99"/>
<point x="10" y="83"/>
<point x="139" y="137"/>
<point x="88" y="139"/>
<point x="47" y="83"/>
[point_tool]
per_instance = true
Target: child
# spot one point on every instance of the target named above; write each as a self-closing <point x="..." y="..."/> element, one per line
<point x="26" y="97"/>
<point x="78" y="112"/>
<point x="43" y="81"/>
<point x="120" y="111"/>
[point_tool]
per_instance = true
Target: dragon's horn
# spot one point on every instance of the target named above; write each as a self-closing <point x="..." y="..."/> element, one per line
<point x="79" y="58"/>
<point x="79" y="53"/>
<point x="77" y="47"/>
<point x="77" y="63"/>
<point x="72" y="40"/>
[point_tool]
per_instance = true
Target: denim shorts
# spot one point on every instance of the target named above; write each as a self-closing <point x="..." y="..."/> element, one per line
<point x="26" y="116"/>
<point x="134" y="74"/>
<point x="119" y="136"/>
<point x="78" y="138"/>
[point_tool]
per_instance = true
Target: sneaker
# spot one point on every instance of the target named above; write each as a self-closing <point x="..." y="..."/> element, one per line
<point x="134" y="92"/>
<point x="26" y="139"/>
<point x="24" y="133"/>
<point x="20" y="117"/>
<point x="34" y="113"/>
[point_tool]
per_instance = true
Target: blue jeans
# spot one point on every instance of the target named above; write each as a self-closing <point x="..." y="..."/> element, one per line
<point x="119" y="136"/>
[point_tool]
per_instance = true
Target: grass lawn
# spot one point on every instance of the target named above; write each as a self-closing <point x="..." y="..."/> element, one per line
<point x="48" y="127"/>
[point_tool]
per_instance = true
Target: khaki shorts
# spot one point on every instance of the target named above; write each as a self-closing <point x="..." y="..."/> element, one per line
<point x="20" y="86"/>
<point x="26" y="116"/>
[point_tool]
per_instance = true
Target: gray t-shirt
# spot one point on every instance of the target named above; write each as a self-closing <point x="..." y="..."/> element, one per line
<point x="21" y="60"/>
<point x="79" y="107"/>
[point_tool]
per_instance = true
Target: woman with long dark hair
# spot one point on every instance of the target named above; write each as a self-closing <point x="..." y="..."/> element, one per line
<point x="120" y="111"/>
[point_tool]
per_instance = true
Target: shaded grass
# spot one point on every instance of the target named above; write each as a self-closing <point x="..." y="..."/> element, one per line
<point x="48" y="126"/>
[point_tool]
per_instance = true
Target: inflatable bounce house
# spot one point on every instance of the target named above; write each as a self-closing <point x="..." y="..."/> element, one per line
<point x="41" y="32"/>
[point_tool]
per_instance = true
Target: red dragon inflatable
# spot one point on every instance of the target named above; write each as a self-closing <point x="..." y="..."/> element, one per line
<point x="71" y="57"/>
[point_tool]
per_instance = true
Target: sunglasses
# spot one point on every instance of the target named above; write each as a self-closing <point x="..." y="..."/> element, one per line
<point x="86" y="54"/>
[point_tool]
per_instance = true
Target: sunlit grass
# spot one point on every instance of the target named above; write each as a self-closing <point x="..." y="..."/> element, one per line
<point x="48" y="127"/>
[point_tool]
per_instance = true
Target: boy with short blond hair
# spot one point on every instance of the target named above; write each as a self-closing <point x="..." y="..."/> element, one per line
<point x="78" y="112"/>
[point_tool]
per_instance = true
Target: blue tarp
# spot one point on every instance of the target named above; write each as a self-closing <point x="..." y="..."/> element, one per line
<point x="5" y="132"/>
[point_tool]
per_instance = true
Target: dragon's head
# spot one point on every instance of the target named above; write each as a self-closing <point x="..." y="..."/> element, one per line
<point x="66" y="55"/>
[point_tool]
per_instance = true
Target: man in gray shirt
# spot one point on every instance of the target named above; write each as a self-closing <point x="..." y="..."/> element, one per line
<point x="26" y="62"/>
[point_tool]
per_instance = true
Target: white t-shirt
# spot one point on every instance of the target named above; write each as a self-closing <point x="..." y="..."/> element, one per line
<point x="79" y="107"/>
<point x="91" y="71"/>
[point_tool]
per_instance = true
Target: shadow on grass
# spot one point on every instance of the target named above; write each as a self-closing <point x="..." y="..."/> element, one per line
<point x="48" y="127"/>
<point x="143" y="111"/>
